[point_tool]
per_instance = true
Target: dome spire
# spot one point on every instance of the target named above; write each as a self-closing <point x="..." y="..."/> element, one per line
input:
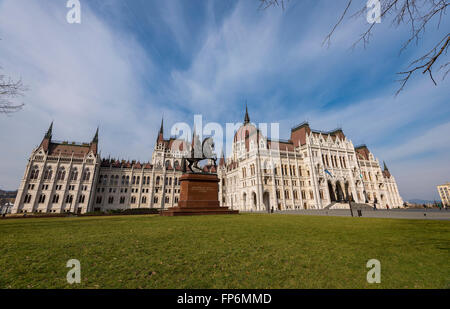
<point x="247" y="118"/>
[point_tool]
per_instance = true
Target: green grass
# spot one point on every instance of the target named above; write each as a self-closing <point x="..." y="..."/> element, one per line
<point x="240" y="251"/>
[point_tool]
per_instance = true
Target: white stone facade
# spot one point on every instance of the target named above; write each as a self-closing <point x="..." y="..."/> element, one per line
<point x="312" y="170"/>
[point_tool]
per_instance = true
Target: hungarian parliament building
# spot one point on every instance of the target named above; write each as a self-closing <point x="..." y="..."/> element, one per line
<point x="312" y="170"/>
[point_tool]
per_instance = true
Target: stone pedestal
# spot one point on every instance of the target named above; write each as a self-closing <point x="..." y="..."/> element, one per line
<point x="198" y="196"/>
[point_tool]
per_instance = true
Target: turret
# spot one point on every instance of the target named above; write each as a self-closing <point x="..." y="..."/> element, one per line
<point x="161" y="132"/>
<point x="94" y="143"/>
<point x="47" y="138"/>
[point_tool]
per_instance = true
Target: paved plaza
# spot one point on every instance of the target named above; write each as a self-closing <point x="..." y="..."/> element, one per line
<point x="427" y="214"/>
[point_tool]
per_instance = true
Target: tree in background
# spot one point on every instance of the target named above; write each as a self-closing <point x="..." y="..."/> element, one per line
<point x="417" y="14"/>
<point x="10" y="90"/>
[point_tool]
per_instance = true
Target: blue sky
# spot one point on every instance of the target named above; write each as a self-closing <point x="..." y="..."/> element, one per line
<point x="129" y="62"/>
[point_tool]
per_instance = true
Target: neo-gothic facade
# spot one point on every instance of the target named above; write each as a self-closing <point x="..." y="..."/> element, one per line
<point x="312" y="170"/>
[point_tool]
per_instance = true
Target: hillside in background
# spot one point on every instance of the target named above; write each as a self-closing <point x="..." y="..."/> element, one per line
<point x="8" y="194"/>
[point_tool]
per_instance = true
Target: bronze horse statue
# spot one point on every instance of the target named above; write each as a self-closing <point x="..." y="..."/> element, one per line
<point x="206" y="152"/>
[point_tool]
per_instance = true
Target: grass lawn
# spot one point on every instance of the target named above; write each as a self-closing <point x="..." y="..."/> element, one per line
<point x="240" y="251"/>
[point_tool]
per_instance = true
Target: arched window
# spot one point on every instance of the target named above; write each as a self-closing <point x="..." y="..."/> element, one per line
<point x="133" y="200"/>
<point x="155" y="200"/>
<point x="34" y="172"/>
<point x="55" y="199"/>
<point x="48" y="173"/>
<point x="42" y="199"/>
<point x="144" y="199"/>
<point x="123" y="179"/>
<point x="157" y="180"/>
<point x="167" y="164"/>
<point x="61" y="174"/>
<point x="69" y="199"/>
<point x="166" y="200"/>
<point x="87" y="174"/>
<point x="81" y="199"/>
<point x="74" y="174"/>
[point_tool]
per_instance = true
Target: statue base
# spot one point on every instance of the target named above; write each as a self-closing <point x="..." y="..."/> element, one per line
<point x="198" y="196"/>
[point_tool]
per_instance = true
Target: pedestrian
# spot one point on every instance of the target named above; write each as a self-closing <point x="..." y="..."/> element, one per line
<point x="271" y="210"/>
<point x="374" y="206"/>
<point x="387" y="206"/>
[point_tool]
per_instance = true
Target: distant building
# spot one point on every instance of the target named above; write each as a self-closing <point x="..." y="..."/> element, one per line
<point x="444" y="192"/>
<point x="311" y="170"/>
<point x="6" y="208"/>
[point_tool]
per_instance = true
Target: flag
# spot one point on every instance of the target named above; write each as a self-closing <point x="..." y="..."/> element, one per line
<point x="328" y="172"/>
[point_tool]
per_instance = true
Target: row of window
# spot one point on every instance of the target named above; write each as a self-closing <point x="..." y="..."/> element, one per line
<point x="55" y="199"/>
<point x="303" y="192"/>
<point x="135" y="180"/>
<point x="61" y="174"/>
<point x="133" y="199"/>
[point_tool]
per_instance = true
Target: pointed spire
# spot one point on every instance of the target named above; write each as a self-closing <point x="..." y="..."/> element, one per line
<point x="160" y="137"/>
<point x="49" y="132"/>
<point x="247" y="118"/>
<point x="95" y="139"/>
<point x="385" y="167"/>
<point x="161" y="130"/>
<point x="222" y="159"/>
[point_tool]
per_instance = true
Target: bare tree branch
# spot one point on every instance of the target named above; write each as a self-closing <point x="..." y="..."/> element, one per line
<point x="327" y="39"/>
<point x="264" y="4"/>
<point x="430" y="58"/>
<point x="10" y="90"/>
<point x="417" y="14"/>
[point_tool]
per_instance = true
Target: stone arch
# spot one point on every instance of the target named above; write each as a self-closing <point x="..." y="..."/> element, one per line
<point x="266" y="200"/>
<point x="254" y="200"/>
<point x="332" y="193"/>
<point x="348" y="196"/>
<point x="339" y="192"/>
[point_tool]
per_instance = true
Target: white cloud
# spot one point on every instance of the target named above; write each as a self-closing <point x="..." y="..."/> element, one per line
<point x="80" y="76"/>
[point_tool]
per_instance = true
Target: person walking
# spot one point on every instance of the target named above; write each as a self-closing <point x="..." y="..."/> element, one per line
<point x="387" y="206"/>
